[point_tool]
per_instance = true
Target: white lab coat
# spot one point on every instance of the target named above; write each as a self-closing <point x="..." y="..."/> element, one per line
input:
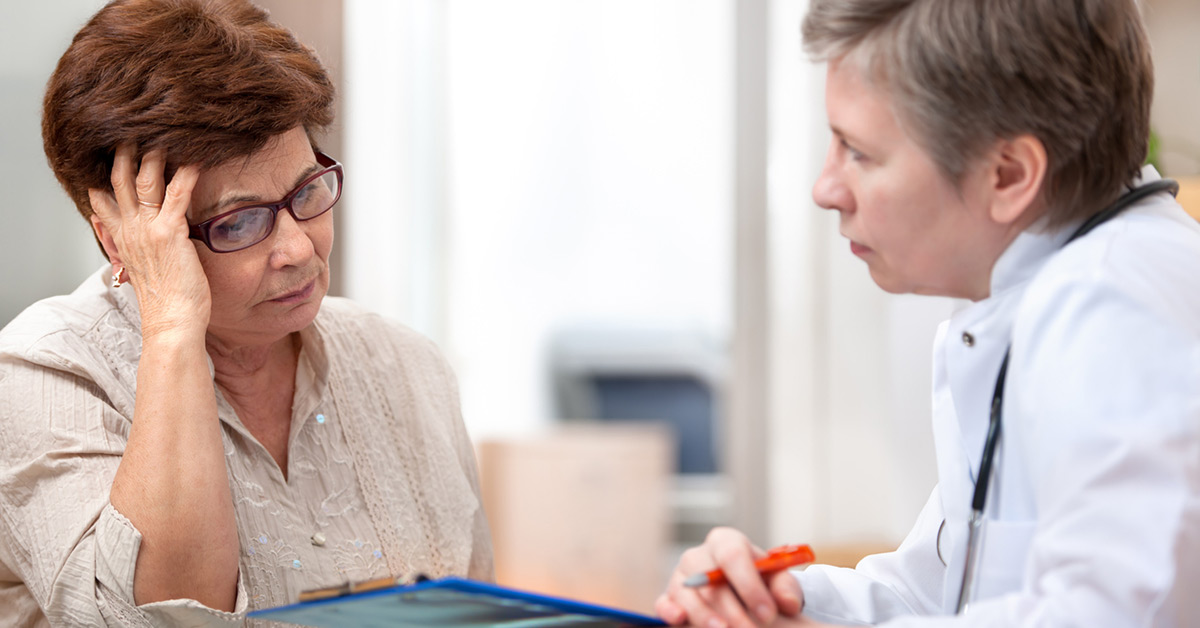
<point x="1093" y="517"/>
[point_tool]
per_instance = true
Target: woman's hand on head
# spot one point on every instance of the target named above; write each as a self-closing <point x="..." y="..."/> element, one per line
<point x="142" y="225"/>
<point x="749" y="599"/>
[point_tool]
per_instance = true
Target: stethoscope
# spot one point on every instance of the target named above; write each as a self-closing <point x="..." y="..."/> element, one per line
<point x="986" y="462"/>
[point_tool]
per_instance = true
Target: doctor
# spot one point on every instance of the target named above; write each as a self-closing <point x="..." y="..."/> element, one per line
<point x="991" y="151"/>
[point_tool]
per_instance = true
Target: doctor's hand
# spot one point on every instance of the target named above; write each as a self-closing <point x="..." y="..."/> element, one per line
<point x="749" y="599"/>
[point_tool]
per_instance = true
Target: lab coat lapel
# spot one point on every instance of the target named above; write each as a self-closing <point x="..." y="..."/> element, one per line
<point x="954" y="483"/>
<point x="976" y="338"/>
<point x="968" y="351"/>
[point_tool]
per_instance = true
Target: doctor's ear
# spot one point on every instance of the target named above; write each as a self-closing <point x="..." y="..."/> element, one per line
<point x="1016" y="172"/>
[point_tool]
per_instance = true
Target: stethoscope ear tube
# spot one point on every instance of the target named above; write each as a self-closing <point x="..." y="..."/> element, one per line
<point x="1123" y="203"/>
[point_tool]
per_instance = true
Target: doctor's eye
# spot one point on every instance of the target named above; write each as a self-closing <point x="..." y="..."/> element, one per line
<point x="854" y="153"/>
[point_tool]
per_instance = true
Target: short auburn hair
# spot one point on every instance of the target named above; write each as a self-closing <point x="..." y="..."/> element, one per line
<point x="963" y="73"/>
<point x="205" y="80"/>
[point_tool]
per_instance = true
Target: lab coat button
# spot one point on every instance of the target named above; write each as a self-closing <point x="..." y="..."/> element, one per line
<point x="968" y="339"/>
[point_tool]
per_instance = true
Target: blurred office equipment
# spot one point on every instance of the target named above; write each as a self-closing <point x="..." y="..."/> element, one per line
<point x="668" y="377"/>
<point x="581" y="511"/>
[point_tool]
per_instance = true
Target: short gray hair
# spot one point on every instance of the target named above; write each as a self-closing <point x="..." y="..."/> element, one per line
<point x="1076" y="74"/>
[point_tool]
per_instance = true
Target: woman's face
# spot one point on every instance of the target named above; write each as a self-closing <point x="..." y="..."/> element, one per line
<point x="917" y="231"/>
<point x="265" y="292"/>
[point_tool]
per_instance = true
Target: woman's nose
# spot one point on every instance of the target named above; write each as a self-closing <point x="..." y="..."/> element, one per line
<point x="290" y="243"/>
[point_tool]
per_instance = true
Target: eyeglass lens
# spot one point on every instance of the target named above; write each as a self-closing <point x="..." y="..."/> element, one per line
<point x="251" y="225"/>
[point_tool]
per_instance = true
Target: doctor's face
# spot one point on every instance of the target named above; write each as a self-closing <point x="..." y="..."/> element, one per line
<point x="917" y="231"/>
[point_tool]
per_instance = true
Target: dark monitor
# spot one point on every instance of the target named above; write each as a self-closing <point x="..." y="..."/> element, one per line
<point x="670" y="379"/>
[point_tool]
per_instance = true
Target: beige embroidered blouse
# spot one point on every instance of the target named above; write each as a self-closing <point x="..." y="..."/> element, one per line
<point x="381" y="476"/>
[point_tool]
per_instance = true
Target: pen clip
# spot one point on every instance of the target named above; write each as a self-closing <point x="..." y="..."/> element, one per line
<point x="803" y="553"/>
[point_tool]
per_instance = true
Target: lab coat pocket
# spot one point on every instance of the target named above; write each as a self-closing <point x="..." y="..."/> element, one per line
<point x="1005" y="552"/>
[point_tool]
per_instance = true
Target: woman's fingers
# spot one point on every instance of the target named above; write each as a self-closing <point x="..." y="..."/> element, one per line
<point x="141" y="192"/>
<point x="178" y="196"/>
<point x="149" y="184"/>
<point x="105" y="207"/>
<point x="142" y="225"/>
<point x="124" y="175"/>
<point x="140" y="188"/>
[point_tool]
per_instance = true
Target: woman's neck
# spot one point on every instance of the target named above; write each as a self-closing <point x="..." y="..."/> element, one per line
<point x="259" y="383"/>
<point x="246" y="371"/>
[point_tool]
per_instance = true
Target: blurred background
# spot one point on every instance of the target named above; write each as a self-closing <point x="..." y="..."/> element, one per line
<point x="600" y="210"/>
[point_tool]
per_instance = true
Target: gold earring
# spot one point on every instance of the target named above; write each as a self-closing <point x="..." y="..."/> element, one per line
<point x="117" y="276"/>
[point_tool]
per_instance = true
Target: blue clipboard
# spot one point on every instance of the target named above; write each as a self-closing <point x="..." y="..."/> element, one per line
<point x="451" y="602"/>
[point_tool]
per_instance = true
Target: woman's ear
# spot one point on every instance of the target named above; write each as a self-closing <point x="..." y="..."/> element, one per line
<point x="102" y="202"/>
<point x="1018" y="171"/>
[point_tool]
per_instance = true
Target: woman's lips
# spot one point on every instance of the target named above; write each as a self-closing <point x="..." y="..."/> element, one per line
<point x="298" y="295"/>
<point x="859" y="249"/>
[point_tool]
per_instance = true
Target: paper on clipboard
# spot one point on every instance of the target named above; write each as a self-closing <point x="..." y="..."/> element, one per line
<point x="451" y="602"/>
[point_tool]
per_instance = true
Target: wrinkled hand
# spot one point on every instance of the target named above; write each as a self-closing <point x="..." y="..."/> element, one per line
<point x="749" y="599"/>
<point x="144" y="227"/>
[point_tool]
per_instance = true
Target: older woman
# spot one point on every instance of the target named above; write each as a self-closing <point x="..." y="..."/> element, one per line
<point x="198" y="431"/>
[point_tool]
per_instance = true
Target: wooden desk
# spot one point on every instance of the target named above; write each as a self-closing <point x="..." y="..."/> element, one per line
<point x="581" y="512"/>
<point x="1189" y="195"/>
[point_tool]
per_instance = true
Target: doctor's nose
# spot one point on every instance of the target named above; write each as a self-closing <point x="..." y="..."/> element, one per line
<point x="830" y="191"/>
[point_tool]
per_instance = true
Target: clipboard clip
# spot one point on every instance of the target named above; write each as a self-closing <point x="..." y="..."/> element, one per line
<point x="350" y="588"/>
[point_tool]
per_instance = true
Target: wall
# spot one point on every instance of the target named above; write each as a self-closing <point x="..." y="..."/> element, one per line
<point x="318" y="24"/>
<point x="594" y="187"/>
<point x="46" y="248"/>
<point x="536" y="166"/>
<point x="1173" y="25"/>
<point x="850" y="448"/>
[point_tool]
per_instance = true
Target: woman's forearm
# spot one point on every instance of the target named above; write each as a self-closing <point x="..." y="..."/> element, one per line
<point x="172" y="483"/>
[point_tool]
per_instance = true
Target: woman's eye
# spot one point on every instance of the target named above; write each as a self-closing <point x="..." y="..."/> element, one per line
<point x="240" y="224"/>
<point x="303" y="194"/>
<point x="312" y="199"/>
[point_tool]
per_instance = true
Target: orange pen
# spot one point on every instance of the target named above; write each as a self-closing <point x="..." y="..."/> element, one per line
<point x="777" y="559"/>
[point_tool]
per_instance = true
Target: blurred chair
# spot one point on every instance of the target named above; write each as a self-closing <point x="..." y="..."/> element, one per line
<point x="672" y="376"/>
<point x="581" y="511"/>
